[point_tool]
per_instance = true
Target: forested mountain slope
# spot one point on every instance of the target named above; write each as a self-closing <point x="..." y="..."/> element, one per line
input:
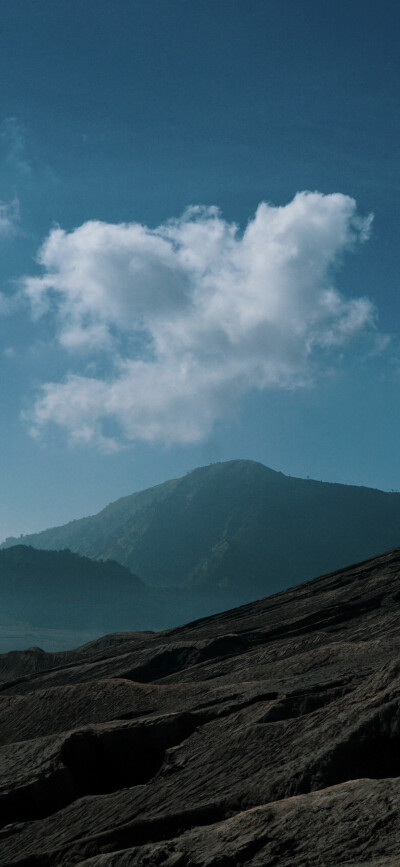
<point x="235" y="526"/>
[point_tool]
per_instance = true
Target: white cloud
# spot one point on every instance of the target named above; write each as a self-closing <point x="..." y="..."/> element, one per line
<point x="193" y="314"/>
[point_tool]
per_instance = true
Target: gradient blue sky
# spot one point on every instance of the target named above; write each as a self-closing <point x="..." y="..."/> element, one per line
<point x="137" y="348"/>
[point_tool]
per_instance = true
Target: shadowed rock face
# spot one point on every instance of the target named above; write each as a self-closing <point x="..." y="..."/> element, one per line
<point x="267" y="735"/>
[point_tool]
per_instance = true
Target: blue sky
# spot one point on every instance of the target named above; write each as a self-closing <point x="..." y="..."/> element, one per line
<point x="199" y="245"/>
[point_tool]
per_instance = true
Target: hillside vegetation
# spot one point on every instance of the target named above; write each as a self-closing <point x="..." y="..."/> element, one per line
<point x="237" y="528"/>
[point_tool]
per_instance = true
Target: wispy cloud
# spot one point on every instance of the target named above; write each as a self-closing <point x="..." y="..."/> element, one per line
<point x="9" y="217"/>
<point x="20" y="164"/>
<point x="13" y="140"/>
<point x="193" y="314"/>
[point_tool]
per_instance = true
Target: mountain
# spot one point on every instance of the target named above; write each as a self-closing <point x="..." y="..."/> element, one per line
<point x="237" y="528"/>
<point x="266" y="735"/>
<point x="57" y="599"/>
<point x="56" y="589"/>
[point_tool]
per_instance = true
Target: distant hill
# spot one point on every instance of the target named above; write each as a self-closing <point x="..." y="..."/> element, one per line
<point x="235" y="528"/>
<point x="57" y="588"/>
<point x="55" y="599"/>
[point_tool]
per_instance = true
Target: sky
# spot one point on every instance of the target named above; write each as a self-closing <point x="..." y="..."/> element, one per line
<point x="199" y="212"/>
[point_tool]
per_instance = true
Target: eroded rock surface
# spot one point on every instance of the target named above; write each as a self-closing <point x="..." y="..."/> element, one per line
<point x="268" y="735"/>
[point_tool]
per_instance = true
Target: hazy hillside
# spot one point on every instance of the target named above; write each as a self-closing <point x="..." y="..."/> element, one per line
<point x="58" y="589"/>
<point x="56" y="599"/>
<point x="238" y="527"/>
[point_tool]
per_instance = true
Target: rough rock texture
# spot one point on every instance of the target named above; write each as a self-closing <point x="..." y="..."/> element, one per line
<point x="267" y="735"/>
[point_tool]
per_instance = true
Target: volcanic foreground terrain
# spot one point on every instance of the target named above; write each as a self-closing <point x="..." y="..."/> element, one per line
<point x="267" y="735"/>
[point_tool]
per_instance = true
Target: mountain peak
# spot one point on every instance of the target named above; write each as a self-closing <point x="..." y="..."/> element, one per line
<point x="235" y="527"/>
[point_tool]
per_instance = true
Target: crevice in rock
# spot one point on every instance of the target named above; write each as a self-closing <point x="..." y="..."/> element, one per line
<point x="214" y="709"/>
<point x="293" y="706"/>
<point x="43" y="796"/>
<point x="346" y="683"/>
<point x="120" y="757"/>
<point x="161" y="665"/>
<point x="217" y="710"/>
<point x="98" y="761"/>
<point x="372" y="751"/>
<point x="175" y="659"/>
<point x="298" y="703"/>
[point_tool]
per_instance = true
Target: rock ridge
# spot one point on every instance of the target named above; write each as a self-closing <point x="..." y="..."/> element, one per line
<point x="265" y="735"/>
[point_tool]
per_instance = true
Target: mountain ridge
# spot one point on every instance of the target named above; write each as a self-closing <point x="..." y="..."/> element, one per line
<point x="236" y="527"/>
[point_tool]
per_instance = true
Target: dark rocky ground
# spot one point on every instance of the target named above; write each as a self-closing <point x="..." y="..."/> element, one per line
<point x="267" y="735"/>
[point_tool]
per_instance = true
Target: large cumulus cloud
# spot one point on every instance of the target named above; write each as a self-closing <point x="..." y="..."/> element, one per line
<point x="193" y="314"/>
